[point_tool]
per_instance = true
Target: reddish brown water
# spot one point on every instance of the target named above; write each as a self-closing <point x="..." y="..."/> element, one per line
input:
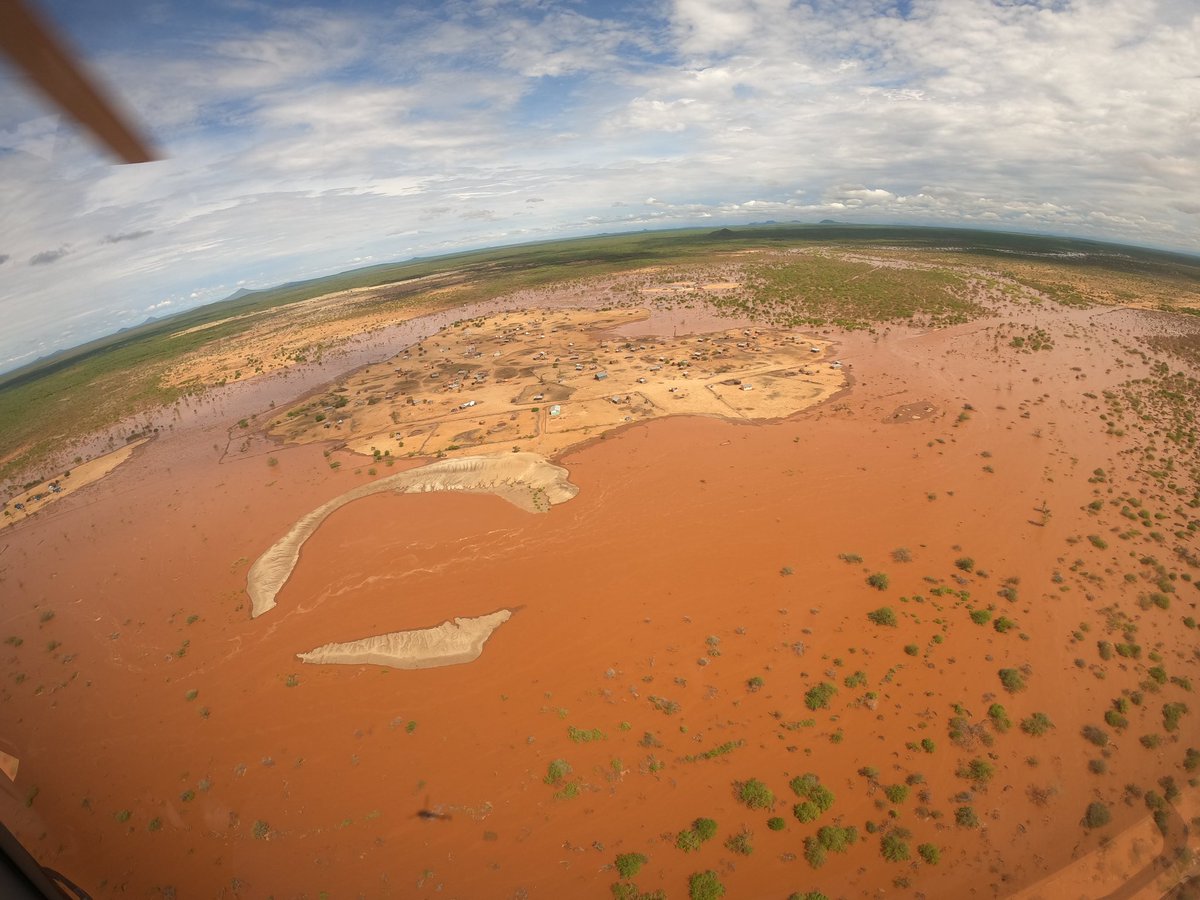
<point x="680" y="531"/>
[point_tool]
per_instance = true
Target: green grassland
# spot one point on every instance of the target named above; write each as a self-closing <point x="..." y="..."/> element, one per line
<point x="850" y="294"/>
<point x="44" y="405"/>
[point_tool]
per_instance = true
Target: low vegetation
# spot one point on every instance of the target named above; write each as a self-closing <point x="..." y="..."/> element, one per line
<point x="885" y="615"/>
<point x="754" y="794"/>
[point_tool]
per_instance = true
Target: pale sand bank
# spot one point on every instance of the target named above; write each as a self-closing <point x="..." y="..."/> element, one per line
<point x="9" y="765"/>
<point x="523" y="479"/>
<point x="448" y="644"/>
<point x="80" y="476"/>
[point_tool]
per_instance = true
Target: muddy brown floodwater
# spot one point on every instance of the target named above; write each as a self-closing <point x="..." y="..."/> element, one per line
<point x="169" y="743"/>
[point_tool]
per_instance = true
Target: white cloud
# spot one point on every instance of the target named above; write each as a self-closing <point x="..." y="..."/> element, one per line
<point x="302" y="140"/>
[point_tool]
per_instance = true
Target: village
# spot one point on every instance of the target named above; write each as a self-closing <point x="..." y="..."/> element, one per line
<point x="546" y="380"/>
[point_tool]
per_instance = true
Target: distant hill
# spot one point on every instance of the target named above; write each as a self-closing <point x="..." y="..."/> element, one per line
<point x="560" y="258"/>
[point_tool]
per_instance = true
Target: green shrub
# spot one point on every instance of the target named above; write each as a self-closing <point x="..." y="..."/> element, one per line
<point x="1004" y="624"/>
<point x="740" y="843"/>
<point x="776" y="823"/>
<point x="688" y="841"/>
<point x="754" y="794"/>
<point x="1037" y="724"/>
<point x="1106" y="649"/>
<point x="912" y="649"/>
<point x="806" y="811"/>
<point x="896" y="793"/>
<point x="1172" y="713"/>
<point x="705" y="886"/>
<point x="928" y="745"/>
<point x="584" y="735"/>
<point x="1096" y="816"/>
<point x="1094" y="735"/>
<point x="981" y="616"/>
<point x="822" y="796"/>
<point x="930" y="853"/>
<point x="818" y="696"/>
<point x="814" y="852"/>
<point x="999" y="716"/>
<point x="557" y="771"/>
<point x="706" y="829"/>
<point x="885" y="615"/>
<point x="1150" y="741"/>
<point x="878" y="580"/>
<point x="802" y="784"/>
<point x="1129" y="651"/>
<point x="815" y="798"/>
<point x="977" y="770"/>
<point x="1115" y="720"/>
<point x="1012" y="680"/>
<point x="1097" y="766"/>
<point x="629" y="864"/>
<point x="965" y="816"/>
<point x="1191" y="759"/>
<point x="835" y="839"/>
<point x="893" y="847"/>
<point x="625" y="891"/>
<point x="965" y="563"/>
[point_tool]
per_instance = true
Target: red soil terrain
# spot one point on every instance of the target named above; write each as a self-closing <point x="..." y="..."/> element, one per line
<point x="700" y="556"/>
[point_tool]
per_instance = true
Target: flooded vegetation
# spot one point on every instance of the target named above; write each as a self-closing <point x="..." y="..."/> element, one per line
<point x="933" y="633"/>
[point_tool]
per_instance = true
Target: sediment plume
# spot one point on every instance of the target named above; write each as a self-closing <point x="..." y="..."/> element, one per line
<point x="449" y="644"/>
<point x="524" y="479"/>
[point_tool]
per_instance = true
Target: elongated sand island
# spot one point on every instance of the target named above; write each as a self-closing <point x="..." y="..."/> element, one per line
<point x="524" y="479"/>
<point x="449" y="644"/>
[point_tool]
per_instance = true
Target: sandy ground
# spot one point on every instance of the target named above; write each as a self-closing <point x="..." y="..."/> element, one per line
<point x="546" y="380"/>
<point x="36" y="498"/>
<point x="283" y="338"/>
<point x="449" y="644"/>
<point x="675" y="615"/>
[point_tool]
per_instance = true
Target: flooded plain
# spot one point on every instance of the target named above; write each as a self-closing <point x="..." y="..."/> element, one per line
<point x="673" y="627"/>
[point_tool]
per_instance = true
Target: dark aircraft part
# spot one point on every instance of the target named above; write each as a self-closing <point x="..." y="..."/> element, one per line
<point x="33" y="47"/>
<point x="21" y="878"/>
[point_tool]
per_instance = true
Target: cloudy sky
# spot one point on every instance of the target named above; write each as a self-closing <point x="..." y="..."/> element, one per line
<point x="301" y="141"/>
